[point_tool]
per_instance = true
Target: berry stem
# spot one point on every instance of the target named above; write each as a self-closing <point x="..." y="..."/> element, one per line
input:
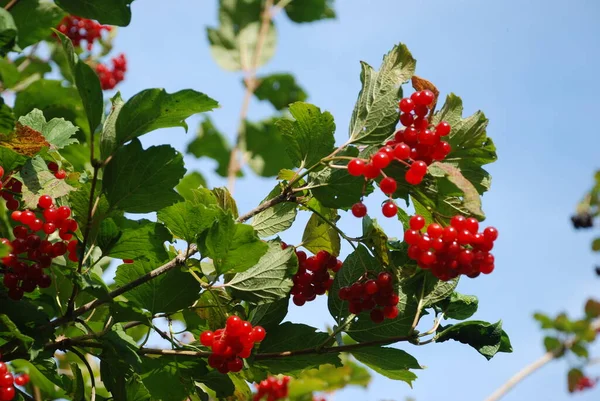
<point x="10" y="4"/>
<point x="345" y="324"/>
<point x="419" y="307"/>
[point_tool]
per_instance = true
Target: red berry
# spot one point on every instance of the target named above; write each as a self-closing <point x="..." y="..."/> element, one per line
<point x="412" y="178"/>
<point x="63" y="212"/>
<point x="377" y="316"/>
<point x="50" y="214"/>
<point x="416" y="222"/>
<point x="407" y="105"/>
<point x="1" y="172"/>
<point x="128" y="261"/>
<point x="425" y="243"/>
<point x="389" y="209"/>
<point x="490" y="234"/>
<point x="235" y="365"/>
<point x="356" y="167"/>
<point x="420" y="111"/>
<point x="298" y="300"/>
<point x="427" y="137"/>
<point x="27" y="217"/>
<point x="458" y="222"/>
<point x="471" y="224"/>
<point x="49" y="228"/>
<point x="390" y="311"/>
<point x="388" y="185"/>
<point x="16" y="215"/>
<point x="464" y="237"/>
<point x="381" y="160"/>
<point x="426" y="97"/>
<point x="371" y="171"/>
<point x="412" y="237"/>
<point x="206" y="338"/>
<point x="443" y="128"/>
<point x="234" y="323"/>
<point x="6" y="380"/>
<point x="411" y="135"/>
<point x="60" y="174"/>
<point x="258" y="334"/>
<point x="402" y="151"/>
<point x="419" y="168"/>
<point x="406" y="119"/>
<point x="442" y="149"/>
<point x="7" y="393"/>
<point x="359" y="210"/>
<point x="435" y="230"/>
<point x="371" y="287"/>
<point x="487" y="268"/>
<point x="22" y="380"/>
<point x="3" y="368"/>
<point x="45" y="202"/>
<point x="384" y="280"/>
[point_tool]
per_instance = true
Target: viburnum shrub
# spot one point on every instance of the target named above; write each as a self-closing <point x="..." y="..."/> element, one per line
<point x="190" y="301"/>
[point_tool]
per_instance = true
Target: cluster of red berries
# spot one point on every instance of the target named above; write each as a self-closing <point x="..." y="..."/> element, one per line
<point x="109" y="78"/>
<point x="231" y="344"/>
<point x="272" y="389"/>
<point x="9" y="190"/>
<point x="374" y="295"/>
<point x="453" y="250"/>
<point x="313" y="277"/>
<point x="58" y="173"/>
<point x="30" y="254"/>
<point x="585" y="383"/>
<point x="8" y="382"/>
<point x="81" y="29"/>
<point x="416" y="146"/>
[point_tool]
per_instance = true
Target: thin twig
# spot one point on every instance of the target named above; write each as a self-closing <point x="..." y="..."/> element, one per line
<point x="284" y="196"/>
<point x="235" y="164"/>
<point x="419" y="307"/>
<point x="10" y="4"/>
<point x="127" y="287"/>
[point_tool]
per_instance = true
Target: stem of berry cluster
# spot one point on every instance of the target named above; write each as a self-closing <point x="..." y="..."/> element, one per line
<point x="10" y="4"/>
<point x="536" y="365"/>
<point x="235" y="162"/>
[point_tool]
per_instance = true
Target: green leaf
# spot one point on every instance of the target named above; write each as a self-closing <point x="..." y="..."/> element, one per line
<point x="233" y="43"/>
<point x="123" y="345"/>
<point x="552" y="344"/>
<point x="34" y="19"/>
<point x="275" y="219"/>
<point x="108" y="136"/>
<point x="166" y="293"/>
<point x="485" y="337"/>
<point x="232" y="247"/>
<point x="309" y="137"/>
<point x="390" y="362"/>
<point x="9" y="74"/>
<point x="171" y="378"/>
<point x="43" y="375"/>
<point x="310" y="10"/>
<point x="471" y="147"/>
<point x="78" y="388"/>
<point x="270" y="279"/>
<point x="10" y="159"/>
<point x="320" y="236"/>
<point x="375" y="114"/>
<point x="38" y="180"/>
<point x="573" y="378"/>
<point x="209" y="307"/>
<point x="266" y="147"/>
<point x="460" y="306"/>
<point x="152" y="109"/>
<point x="546" y="321"/>
<point x="225" y="201"/>
<point x="189" y="182"/>
<point x="470" y="199"/>
<point x="53" y="99"/>
<point x="221" y="384"/>
<point x="139" y="239"/>
<point x="280" y="90"/>
<point x="126" y="312"/>
<point x="136" y="391"/>
<point x="112" y="12"/>
<point x="87" y="83"/>
<point x="10" y="331"/>
<point x="187" y="220"/>
<point x="58" y="132"/>
<point x="141" y="181"/>
<point x="209" y="142"/>
<point x="592" y="309"/>
<point x="376" y="240"/>
<point x="8" y="33"/>
<point x="7" y="118"/>
<point x="596" y="245"/>
<point x="580" y="350"/>
<point x="269" y="314"/>
<point x="289" y="337"/>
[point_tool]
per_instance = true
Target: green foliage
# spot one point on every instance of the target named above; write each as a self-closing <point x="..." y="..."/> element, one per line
<point x="390" y="362"/>
<point x="376" y="112"/>
<point x="266" y="148"/>
<point x="269" y="279"/>
<point x="140" y="180"/>
<point x="319" y="235"/>
<point x="134" y="239"/>
<point x="275" y="219"/>
<point x="309" y="11"/>
<point x="112" y="12"/>
<point x="8" y="33"/>
<point x="280" y="90"/>
<point x="488" y="339"/>
<point x="33" y="19"/>
<point x="38" y="180"/>
<point x="459" y="306"/>
<point x="58" y="132"/>
<point x="166" y="293"/>
<point x="187" y="220"/>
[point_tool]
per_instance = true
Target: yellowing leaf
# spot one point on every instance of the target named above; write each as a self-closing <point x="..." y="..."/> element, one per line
<point x="25" y="141"/>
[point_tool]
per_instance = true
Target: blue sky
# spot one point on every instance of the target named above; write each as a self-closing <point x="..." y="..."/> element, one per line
<point x="531" y="66"/>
